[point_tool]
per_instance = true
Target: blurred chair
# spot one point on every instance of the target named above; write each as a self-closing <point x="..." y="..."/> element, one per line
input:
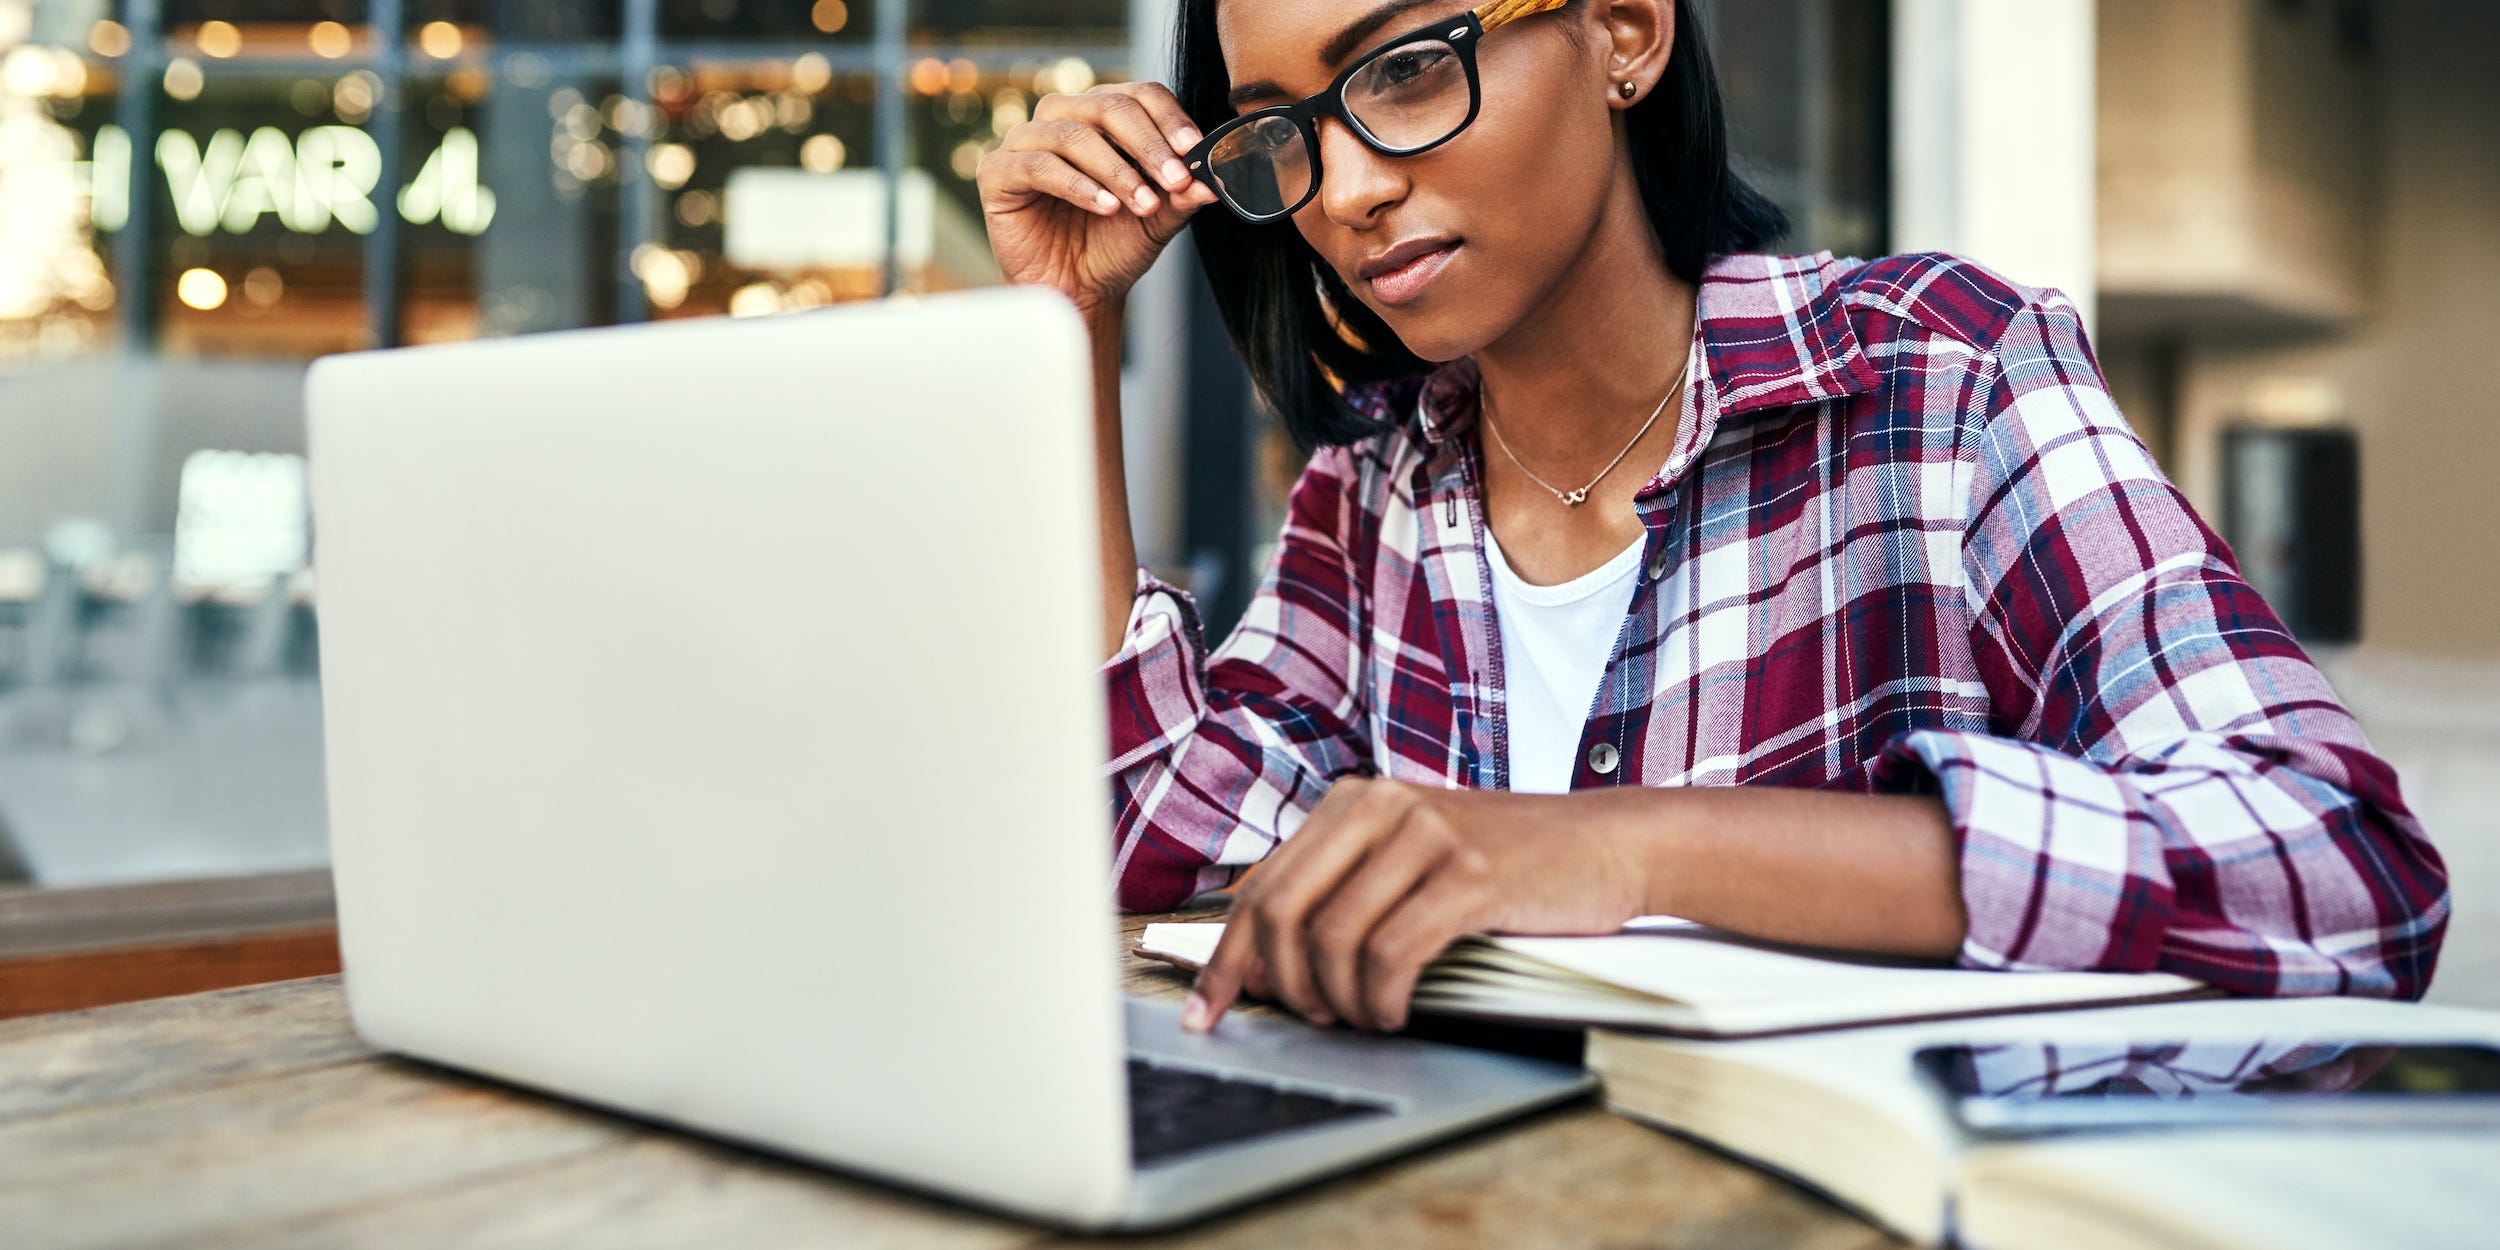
<point x="21" y="584"/>
<point x="12" y="861"/>
<point x="160" y="729"/>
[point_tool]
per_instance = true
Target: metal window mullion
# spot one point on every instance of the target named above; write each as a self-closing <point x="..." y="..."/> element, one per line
<point x="132" y="490"/>
<point x="136" y="100"/>
<point x="1815" y="52"/>
<point x="388" y="126"/>
<point x="637" y="199"/>
<point x="893" y="129"/>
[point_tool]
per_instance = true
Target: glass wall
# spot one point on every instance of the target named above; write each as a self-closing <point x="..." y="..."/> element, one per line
<point x="199" y="197"/>
<point x="1808" y="86"/>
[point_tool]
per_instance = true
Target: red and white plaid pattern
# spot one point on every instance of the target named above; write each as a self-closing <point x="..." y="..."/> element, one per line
<point x="1905" y="542"/>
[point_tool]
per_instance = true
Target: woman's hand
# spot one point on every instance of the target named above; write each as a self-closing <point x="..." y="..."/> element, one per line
<point x="1065" y="199"/>
<point x="1340" y="920"/>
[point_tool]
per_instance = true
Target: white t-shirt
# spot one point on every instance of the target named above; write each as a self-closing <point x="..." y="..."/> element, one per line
<point x="1555" y="644"/>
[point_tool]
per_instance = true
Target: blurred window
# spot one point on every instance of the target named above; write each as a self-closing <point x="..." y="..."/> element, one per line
<point x="1806" y="85"/>
<point x="266" y="189"/>
<point x="513" y="21"/>
<point x="58" y="135"/>
<point x="510" y="200"/>
<point x="770" y="196"/>
<point x="199" y="197"/>
<point x="962" y="107"/>
<point x="1032" y="23"/>
<point x="845" y="21"/>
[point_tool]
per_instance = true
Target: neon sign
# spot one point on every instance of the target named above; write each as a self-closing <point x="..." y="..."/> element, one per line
<point x="309" y="182"/>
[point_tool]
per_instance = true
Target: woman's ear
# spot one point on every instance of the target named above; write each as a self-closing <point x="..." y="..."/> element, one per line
<point x="1639" y="41"/>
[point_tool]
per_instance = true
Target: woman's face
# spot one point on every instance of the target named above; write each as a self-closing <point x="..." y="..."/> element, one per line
<point x="1506" y="206"/>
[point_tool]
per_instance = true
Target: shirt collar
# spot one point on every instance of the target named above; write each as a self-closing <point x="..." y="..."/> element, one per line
<point x="1773" y="331"/>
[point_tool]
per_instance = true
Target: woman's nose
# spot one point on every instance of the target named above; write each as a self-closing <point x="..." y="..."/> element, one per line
<point x="1356" y="183"/>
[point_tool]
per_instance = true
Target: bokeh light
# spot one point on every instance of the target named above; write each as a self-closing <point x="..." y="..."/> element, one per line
<point x="440" y="40"/>
<point x="822" y="154"/>
<point x="220" y="39"/>
<point x="811" y="73"/>
<point x="109" y="38"/>
<point x="330" y="39"/>
<point x="671" y="164"/>
<point x="202" y="289"/>
<point x="184" y="78"/>
<point x="263" y="287"/>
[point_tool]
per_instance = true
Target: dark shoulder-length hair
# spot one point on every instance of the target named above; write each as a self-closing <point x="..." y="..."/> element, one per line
<point x="1293" y="319"/>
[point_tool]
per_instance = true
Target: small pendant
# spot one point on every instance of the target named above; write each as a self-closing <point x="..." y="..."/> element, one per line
<point x="1576" y="498"/>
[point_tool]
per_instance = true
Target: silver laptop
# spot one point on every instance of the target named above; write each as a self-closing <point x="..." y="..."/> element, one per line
<point x="716" y="732"/>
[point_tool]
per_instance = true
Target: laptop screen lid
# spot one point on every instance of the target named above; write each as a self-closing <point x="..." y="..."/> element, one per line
<point x="715" y="730"/>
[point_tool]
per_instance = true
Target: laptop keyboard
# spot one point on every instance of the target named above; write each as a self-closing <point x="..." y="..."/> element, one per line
<point x="1173" y="1111"/>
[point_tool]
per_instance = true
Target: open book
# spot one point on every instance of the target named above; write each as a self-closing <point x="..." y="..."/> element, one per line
<point x="2223" y="1190"/>
<point x="1663" y="975"/>
<point x="1845" y="1113"/>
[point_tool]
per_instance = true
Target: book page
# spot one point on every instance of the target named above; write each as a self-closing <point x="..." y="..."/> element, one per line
<point x="2263" y="1190"/>
<point x="1735" y="985"/>
<point x="1678" y="974"/>
<point x="1872" y="1069"/>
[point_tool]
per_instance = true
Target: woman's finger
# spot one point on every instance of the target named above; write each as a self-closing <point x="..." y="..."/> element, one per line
<point x="1167" y="112"/>
<point x="1399" y="863"/>
<point x="1303" y="873"/>
<point x="1083" y="145"/>
<point x="1255" y="983"/>
<point x="1220" y="982"/>
<point x="1012" y="179"/>
<point x="1414" y="933"/>
<point x="1241" y="949"/>
<point x="1140" y="138"/>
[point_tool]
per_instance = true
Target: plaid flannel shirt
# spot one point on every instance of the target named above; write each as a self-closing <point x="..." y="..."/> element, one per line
<point x="1904" y="543"/>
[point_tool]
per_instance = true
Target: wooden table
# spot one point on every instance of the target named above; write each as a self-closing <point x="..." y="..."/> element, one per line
<point x="254" y="1117"/>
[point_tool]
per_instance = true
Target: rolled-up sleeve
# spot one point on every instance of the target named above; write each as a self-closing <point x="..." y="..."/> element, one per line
<point x="1216" y="757"/>
<point x="2167" y="781"/>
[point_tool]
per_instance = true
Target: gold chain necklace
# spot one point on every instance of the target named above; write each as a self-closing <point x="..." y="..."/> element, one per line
<point x="1574" y="498"/>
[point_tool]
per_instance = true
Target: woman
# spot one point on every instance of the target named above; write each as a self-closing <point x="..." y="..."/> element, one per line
<point x="1827" y="602"/>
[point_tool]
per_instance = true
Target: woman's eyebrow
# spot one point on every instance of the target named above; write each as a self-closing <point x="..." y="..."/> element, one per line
<point x="1339" y="47"/>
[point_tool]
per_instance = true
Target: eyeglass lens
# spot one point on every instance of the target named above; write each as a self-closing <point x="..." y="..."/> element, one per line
<point x="1409" y="97"/>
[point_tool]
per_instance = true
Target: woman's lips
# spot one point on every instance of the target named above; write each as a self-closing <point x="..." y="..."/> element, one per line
<point x="1406" y="283"/>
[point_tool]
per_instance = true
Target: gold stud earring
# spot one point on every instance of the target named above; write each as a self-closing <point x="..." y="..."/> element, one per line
<point x="1626" y="89"/>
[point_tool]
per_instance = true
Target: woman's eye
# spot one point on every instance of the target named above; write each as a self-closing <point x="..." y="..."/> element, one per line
<point x="1399" y="68"/>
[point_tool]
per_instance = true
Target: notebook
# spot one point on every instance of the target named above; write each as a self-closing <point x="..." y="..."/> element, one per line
<point x="1670" y="976"/>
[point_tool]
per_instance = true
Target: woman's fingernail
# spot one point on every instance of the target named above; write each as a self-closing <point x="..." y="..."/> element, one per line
<point x="1145" y="200"/>
<point x="1186" y="137"/>
<point x="1106" y="199"/>
<point x="1194" y="1015"/>
<point x="1174" y="173"/>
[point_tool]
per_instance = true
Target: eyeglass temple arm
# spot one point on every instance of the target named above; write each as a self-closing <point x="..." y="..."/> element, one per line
<point x="1493" y="13"/>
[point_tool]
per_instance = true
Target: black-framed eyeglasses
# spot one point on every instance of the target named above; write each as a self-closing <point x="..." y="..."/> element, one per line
<point x="1408" y="95"/>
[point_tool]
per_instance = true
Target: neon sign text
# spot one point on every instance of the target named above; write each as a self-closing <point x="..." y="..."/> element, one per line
<point x="324" y="176"/>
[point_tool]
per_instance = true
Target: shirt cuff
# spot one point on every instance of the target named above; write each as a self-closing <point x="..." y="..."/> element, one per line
<point x="2061" y="867"/>
<point x="1154" y="679"/>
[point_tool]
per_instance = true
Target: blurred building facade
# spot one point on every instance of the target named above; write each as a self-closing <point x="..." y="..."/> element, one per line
<point x="2302" y="231"/>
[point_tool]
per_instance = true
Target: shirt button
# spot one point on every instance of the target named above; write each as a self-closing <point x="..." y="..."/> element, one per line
<point x="1603" y="757"/>
<point x="1658" y="566"/>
